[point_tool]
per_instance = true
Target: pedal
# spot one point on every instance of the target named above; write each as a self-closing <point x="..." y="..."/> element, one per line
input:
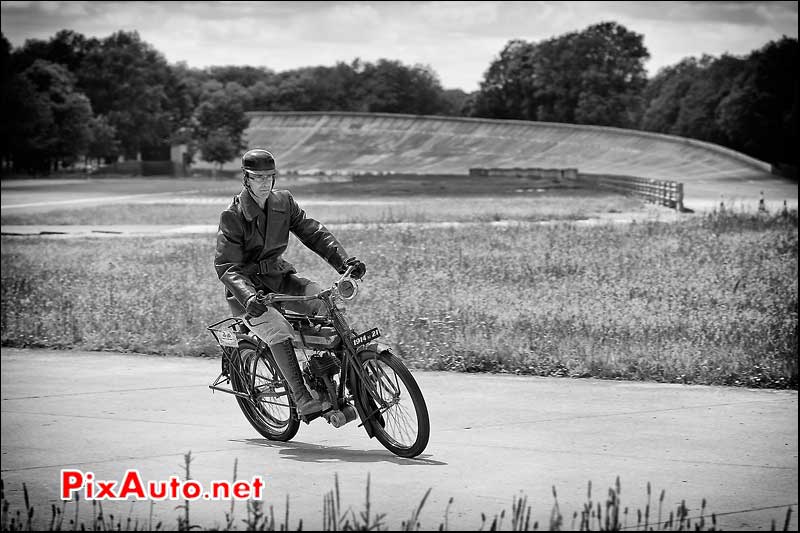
<point x="308" y="418"/>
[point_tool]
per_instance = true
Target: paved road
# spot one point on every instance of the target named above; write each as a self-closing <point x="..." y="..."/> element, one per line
<point x="494" y="437"/>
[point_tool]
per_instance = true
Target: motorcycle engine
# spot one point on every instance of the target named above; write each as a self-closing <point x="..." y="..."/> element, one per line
<point x="320" y="370"/>
<point x="323" y="364"/>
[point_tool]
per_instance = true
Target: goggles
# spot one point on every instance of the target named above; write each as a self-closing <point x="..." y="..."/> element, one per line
<point x="261" y="176"/>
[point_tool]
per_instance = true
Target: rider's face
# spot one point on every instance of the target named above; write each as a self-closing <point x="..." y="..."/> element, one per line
<point x="261" y="182"/>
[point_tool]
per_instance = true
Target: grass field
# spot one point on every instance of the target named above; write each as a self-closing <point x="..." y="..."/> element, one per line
<point x="332" y="211"/>
<point x="367" y="199"/>
<point x="710" y="299"/>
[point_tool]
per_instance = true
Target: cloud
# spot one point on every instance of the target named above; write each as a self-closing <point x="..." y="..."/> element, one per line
<point x="457" y="39"/>
<point x="340" y="23"/>
<point x="736" y="13"/>
<point x="469" y="18"/>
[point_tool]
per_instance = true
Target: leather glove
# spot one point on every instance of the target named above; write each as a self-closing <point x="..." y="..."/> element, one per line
<point x="359" y="268"/>
<point x="255" y="308"/>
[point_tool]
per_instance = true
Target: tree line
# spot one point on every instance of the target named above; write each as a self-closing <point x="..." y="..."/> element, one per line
<point x="72" y="98"/>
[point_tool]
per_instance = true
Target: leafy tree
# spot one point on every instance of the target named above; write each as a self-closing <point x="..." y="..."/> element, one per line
<point x="697" y="117"/>
<point x="339" y="87"/>
<point x="759" y="114"/>
<point x="218" y="147"/>
<point x="264" y="96"/>
<point x="221" y="115"/>
<point x="73" y="117"/>
<point x="507" y="86"/>
<point x="664" y="95"/>
<point x="192" y="81"/>
<point x="746" y="103"/>
<point x="297" y="90"/>
<point x="7" y="105"/>
<point x="612" y="76"/>
<point x="222" y="108"/>
<point x="590" y="77"/>
<point x="354" y="86"/>
<point x="455" y="102"/>
<point x="26" y="118"/>
<point x="66" y="48"/>
<point x="386" y="86"/>
<point x="246" y="76"/>
<point x="47" y="118"/>
<point x="131" y="84"/>
<point x="103" y="143"/>
<point x="391" y="87"/>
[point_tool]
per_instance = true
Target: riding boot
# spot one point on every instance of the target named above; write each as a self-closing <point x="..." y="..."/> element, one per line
<point x="283" y="352"/>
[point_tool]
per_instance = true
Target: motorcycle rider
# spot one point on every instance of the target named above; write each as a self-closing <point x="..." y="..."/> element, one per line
<point x="252" y="236"/>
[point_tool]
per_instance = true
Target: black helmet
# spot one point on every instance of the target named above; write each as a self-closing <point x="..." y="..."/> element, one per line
<point x="258" y="160"/>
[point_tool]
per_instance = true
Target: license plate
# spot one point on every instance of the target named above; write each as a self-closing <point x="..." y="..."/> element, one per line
<point x="227" y="338"/>
<point x="364" y="338"/>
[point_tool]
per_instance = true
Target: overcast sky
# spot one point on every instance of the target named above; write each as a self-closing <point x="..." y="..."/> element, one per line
<point x="457" y="39"/>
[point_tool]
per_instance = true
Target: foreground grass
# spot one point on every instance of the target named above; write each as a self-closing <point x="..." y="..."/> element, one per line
<point x="608" y="515"/>
<point x="707" y="300"/>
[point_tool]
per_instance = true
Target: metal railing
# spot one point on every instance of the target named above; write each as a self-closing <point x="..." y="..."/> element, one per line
<point x="662" y="192"/>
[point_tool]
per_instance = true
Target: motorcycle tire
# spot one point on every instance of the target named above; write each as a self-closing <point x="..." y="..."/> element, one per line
<point x="403" y="430"/>
<point x="257" y="373"/>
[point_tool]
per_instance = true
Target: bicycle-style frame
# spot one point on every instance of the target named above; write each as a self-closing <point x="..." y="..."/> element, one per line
<point x="228" y="337"/>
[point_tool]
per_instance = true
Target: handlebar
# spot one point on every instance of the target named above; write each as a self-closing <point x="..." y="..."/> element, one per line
<point x="273" y="297"/>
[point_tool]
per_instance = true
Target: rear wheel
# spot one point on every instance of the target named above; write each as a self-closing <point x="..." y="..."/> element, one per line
<point x="400" y="416"/>
<point x="268" y="406"/>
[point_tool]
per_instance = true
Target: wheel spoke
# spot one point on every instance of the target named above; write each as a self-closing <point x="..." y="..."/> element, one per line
<point x="400" y="426"/>
<point x="270" y="402"/>
<point x="270" y="407"/>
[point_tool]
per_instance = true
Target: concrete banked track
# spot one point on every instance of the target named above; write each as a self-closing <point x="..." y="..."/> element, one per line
<point x="361" y="142"/>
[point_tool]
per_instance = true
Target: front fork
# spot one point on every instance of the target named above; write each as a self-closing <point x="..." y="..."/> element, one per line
<point x="340" y="324"/>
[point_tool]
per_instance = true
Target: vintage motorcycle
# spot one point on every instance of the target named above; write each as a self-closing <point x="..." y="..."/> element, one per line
<point x="353" y="375"/>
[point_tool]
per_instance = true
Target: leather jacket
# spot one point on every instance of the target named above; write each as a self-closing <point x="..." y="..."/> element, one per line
<point x="251" y="241"/>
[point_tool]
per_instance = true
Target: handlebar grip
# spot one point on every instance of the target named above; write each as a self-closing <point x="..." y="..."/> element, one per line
<point x="264" y="297"/>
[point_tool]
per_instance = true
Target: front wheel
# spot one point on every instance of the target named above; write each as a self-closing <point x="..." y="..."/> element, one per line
<point x="268" y="406"/>
<point x="399" y="414"/>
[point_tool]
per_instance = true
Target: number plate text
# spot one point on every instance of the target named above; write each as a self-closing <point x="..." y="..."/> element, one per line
<point x="227" y="338"/>
<point x="364" y="338"/>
